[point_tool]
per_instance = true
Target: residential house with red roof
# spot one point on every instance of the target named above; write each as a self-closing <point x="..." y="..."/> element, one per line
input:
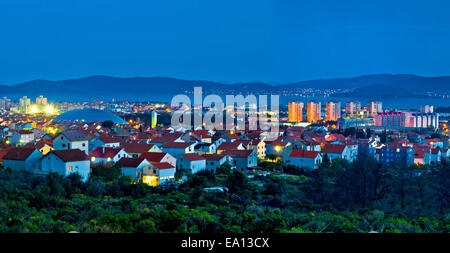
<point x="65" y="162"/>
<point x="225" y="146"/>
<point x="136" y="149"/>
<point x="337" y="151"/>
<point x="436" y="155"/>
<point x="159" y="157"/>
<point x="202" y="136"/>
<point x="205" y="148"/>
<point x="22" y="158"/>
<point x="242" y="159"/>
<point x="72" y="139"/>
<point x="104" y="141"/>
<point x="21" y="137"/>
<point x="214" y="160"/>
<point x="133" y="167"/>
<point x="230" y="137"/>
<point x="168" y="137"/>
<point x="259" y="147"/>
<point x="158" y="174"/>
<point x="105" y="155"/>
<point x="176" y="149"/>
<point x="192" y="162"/>
<point x="41" y="145"/>
<point x="304" y="159"/>
<point x="3" y="152"/>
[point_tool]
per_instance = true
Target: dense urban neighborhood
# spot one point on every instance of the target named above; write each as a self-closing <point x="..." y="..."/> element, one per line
<point x="120" y="167"/>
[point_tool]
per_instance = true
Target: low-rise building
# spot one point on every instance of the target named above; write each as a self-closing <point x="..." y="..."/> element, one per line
<point x="192" y="162"/>
<point x="73" y="139"/>
<point x="304" y="159"/>
<point x="22" y="159"/>
<point x="65" y="162"/>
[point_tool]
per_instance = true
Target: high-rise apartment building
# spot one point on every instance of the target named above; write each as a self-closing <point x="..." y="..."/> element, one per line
<point x="5" y="103"/>
<point x="352" y="108"/>
<point x="24" y="103"/>
<point x="374" y="107"/>
<point x="295" y="111"/>
<point x="41" y="100"/>
<point x="313" y="111"/>
<point x="333" y="111"/>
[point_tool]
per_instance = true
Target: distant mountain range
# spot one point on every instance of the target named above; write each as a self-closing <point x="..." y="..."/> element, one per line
<point x="104" y="87"/>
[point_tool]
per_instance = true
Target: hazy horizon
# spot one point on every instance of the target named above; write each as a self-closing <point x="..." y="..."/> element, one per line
<point x="230" y="83"/>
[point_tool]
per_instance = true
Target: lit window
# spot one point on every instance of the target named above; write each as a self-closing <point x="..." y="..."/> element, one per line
<point x="70" y="168"/>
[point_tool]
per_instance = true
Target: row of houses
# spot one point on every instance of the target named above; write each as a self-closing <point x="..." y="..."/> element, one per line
<point x="154" y="155"/>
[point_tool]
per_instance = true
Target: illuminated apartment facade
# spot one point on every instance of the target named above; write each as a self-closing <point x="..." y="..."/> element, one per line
<point x="333" y="111"/>
<point x="295" y="111"/>
<point x="313" y="111"/>
<point x="352" y="108"/>
<point x="373" y="108"/>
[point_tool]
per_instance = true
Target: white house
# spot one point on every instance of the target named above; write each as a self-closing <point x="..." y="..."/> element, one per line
<point x="159" y="174"/>
<point x="104" y="155"/>
<point x="160" y="157"/>
<point x="259" y="147"/>
<point x="65" y="162"/>
<point x="73" y="139"/>
<point x="104" y="141"/>
<point x="205" y="148"/>
<point x="22" y="159"/>
<point x="176" y="149"/>
<point x="136" y="149"/>
<point x="133" y="167"/>
<point x="243" y="159"/>
<point x="21" y="137"/>
<point x="192" y="162"/>
<point x="304" y="159"/>
<point x="337" y="151"/>
<point x="214" y="160"/>
<point x="436" y="155"/>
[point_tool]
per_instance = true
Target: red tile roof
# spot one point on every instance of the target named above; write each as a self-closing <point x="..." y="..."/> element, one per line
<point x="105" y="152"/>
<point x="213" y="157"/>
<point x="130" y="162"/>
<point x="153" y="156"/>
<point x="229" y="145"/>
<point x="333" y="148"/>
<point x="107" y="139"/>
<point x="304" y="154"/>
<point x="70" y="155"/>
<point x="163" y="166"/>
<point x="173" y="144"/>
<point x="24" y="132"/>
<point x="3" y="152"/>
<point x="238" y="153"/>
<point x="19" y="154"/>
<point x="193" y="157"/>
<point x="137" y="147"/>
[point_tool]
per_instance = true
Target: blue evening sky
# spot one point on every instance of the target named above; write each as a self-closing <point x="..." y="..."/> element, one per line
<point x="228" y="41"/>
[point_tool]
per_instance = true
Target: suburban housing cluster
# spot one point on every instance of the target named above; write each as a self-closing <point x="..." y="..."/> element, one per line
<point x="154" y="153"/>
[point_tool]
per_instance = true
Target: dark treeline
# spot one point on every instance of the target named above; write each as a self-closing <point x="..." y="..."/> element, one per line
<point x="338" y="197"/>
